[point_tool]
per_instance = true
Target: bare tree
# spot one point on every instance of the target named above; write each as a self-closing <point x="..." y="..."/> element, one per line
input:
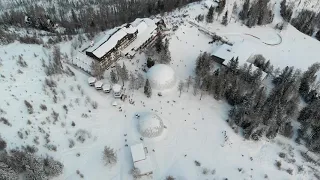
<point x="188" y="83"/>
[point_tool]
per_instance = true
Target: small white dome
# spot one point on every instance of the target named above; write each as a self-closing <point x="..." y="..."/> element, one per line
<point x="150" y="125"/>
<point x="161" y="77"/>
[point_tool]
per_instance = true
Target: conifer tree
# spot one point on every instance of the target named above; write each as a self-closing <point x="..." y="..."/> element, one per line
<point x="113" y="77"/>
<point x="225" y="19"/>
<point x="147" y="89"/>
<point x="243" y="15"/>
<point x="209" y="17"/>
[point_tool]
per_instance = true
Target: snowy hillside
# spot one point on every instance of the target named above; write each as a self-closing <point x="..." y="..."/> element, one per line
<point x="73" y="122"/>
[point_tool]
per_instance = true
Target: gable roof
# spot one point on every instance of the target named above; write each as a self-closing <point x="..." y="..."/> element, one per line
<point x="243" y="51"/>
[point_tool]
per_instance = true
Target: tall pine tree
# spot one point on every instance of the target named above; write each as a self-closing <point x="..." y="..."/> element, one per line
<point x="225" y="19"/>
<point x="209" y="17"/>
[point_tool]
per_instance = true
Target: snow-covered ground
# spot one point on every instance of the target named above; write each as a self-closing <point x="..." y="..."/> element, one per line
<point x="196" y="129"/>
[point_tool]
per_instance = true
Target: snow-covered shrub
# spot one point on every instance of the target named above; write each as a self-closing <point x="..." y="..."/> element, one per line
<point x="205" y="171"/>
<point x="94" y="104"/>
<point x="213" y="171"/>
<point x="55" y="116"/>
<point x="282" y="155"/>
<point x="170" y="178"/>
<point x="36" y="140"/>
<point x="30" y="149"/>
<point x="109" y="156"/>
<point x="135" y="172"/>
<point x="197" y="163"/>
<point x="51" y="147"/>
<point x="5" y="121"/>
<point x="82" y="135"/>
<point x="290" y="171"/>
<point x="55" y="99"/>
<point x="51" y="83"/>
<point x="43" y="107"/>
<point x="21" y="62"/>
<point x="71" y="143"/>
<point x="69" y="72"/>
<point x="65" y="108"/>
<point x="278" y="164"/>
<point x="20" y="135"/>
<point x="29" y="107"/>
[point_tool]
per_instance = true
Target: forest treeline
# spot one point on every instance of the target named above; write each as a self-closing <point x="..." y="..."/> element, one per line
<point x="261" y="110"/>
<point x="87" y="16"/>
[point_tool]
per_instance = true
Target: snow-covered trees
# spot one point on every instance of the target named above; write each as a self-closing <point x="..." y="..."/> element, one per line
<point x="150" y="62"/>
<point x="132" y="81"/>
<point x="307" y="80"/>
<point x="7" y="173"/>
<point x="221" y="6"/>
<point x="28" y="165"/>
<point x="96" y="70"/>
<point x="285" y="11"/>
<point x="253" y="110"/>
<point x="225" y="19"/>
<point x="243" y="15"/>
<point x="147" y="89"/>
<point x="305" y="21"/>
<point x="209" y="16"/>
<point x="160" y="52"/>
<point x="309" y="119"/>
<point x="3" y="144"/>
<point x="109" y="156"/>
<point x="258" y="14"/>
<point x="140" y="82"/>
<point x="113" y="77"/>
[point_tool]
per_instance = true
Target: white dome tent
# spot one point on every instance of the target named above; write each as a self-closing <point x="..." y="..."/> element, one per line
<point x="161" y="77"/>
<point x="150" y="125"/>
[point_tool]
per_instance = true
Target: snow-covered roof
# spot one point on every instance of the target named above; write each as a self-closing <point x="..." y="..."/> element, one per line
<point x="92" y="80"/>
<point x="161" y="77"/>
<point x="209" y="3"/>
<point x="243" y="51"/>
<point x="146" y="28"/>
<point x="137" y="152"/>
<point x="106" y="86"/>
<point x="98" y="84"/>
<point x="145" y="166"/>
<point x="224" y="52"/>
<point x="102" y="40"/>
<point x="110" y="43"/>
<point x="116" y="88"/>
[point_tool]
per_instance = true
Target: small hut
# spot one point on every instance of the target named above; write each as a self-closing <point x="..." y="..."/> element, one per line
<point x="117" y="90"/>
<point x="98" y="85"/>
<point x="92" y="80"/>
<point x="106" y="88"/>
